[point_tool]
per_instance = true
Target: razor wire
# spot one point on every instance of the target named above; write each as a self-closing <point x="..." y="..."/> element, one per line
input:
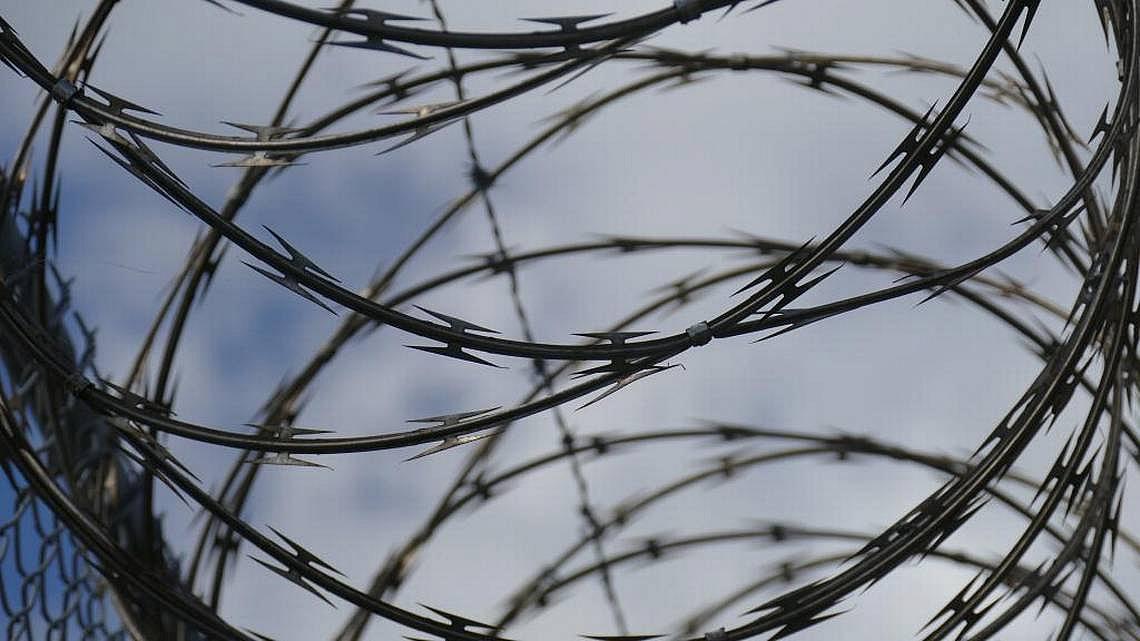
<point x="81" y="454"/>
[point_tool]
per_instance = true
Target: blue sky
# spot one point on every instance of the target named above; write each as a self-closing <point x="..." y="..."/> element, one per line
<point x="747" y="151"/>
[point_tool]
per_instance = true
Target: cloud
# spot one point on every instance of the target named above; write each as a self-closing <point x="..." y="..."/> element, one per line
<point x="745" y="151"/>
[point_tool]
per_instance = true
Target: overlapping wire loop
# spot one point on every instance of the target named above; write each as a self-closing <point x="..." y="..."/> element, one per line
<point x="83" y="551"/>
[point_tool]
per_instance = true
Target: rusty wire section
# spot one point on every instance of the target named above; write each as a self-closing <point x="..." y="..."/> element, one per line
<point x="82" y="549"/>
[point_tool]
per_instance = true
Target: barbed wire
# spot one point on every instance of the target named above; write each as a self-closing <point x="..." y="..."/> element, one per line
<point x="81" y="541"/>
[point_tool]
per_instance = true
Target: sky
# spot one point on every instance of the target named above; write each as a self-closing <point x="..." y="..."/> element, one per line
<point x="746" y="151"/>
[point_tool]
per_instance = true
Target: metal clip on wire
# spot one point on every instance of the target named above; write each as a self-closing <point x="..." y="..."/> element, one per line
<point x="77" y="382"/>
<point x="716" y="635"/>
<point x="63" y="91"/>
<point x="699" y="334"/>
<point x="689" y="10"/>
